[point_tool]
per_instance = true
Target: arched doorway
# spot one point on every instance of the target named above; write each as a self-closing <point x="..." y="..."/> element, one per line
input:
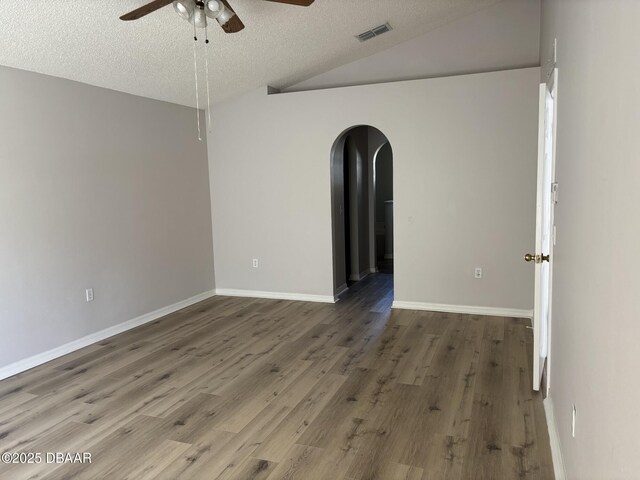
<point x="361" y="183"/>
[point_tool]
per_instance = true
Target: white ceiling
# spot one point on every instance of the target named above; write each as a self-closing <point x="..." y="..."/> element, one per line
<point x="153" y="57"/>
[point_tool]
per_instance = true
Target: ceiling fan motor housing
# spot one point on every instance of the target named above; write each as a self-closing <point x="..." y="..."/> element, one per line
<point x="196" y="11"/>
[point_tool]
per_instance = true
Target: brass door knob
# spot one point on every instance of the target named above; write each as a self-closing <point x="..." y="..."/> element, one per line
<point x="536" y="258"/>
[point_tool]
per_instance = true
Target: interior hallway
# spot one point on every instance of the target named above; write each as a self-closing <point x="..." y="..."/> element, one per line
<point x="254" y="389"/>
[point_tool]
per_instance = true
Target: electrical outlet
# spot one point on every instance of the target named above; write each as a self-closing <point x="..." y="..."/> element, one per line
<point x="478" y="272"/>
<point x="255" y="263"/>
<point x="88" y="293"/>
<point x="573" y="422"/>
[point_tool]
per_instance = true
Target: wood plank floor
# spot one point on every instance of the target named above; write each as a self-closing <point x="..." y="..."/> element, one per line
<point x="235" y="388"/>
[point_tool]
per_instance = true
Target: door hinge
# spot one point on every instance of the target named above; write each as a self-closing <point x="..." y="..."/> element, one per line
<point x="554" y="193"/>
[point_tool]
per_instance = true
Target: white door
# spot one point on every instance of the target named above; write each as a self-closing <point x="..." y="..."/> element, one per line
<point x="545" y="230"/>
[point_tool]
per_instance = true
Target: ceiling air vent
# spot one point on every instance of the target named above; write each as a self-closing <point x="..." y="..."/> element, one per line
<point x="374" y="32"/>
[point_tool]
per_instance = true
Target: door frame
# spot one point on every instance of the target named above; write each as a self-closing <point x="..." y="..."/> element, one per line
<point x="337" y="154"/>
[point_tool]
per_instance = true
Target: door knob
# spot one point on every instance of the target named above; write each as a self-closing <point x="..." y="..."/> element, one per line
<point x="536" y="258"/>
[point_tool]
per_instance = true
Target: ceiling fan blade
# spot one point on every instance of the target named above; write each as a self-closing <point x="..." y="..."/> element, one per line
<point x="301" y="3"/>
<point x="235" y="24"/>
<point x="145" y="9"/>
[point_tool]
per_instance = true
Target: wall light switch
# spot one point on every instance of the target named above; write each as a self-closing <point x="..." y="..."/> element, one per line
<point x="255" y="263"/>
<point x="478" y="272"/>
<point x="89" y="294"/>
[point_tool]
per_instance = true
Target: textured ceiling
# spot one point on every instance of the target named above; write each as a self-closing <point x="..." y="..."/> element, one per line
<point x="153" y="57"/>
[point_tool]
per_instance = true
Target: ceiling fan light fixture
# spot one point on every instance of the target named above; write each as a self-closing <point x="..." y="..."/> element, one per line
<point x="225" y="16"/>
<point x="199" y="19"/>
<point x="184" y="8"/>
<point x="213" y="8"/>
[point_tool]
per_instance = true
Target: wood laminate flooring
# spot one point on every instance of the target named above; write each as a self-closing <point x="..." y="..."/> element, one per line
<point x="236" y="388"/>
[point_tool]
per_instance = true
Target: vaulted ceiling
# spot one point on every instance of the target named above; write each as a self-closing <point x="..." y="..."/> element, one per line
<point x="153" y="56"/>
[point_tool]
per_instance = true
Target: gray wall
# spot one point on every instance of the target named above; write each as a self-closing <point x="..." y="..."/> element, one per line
<point x="376" y="140"/>
<point x="98" y="189"/>
<point x="464" y="159"/>
<point x="384" y="179"/>
<point x="596" y="299"/>
<point x="361" y="135"/>
<point x="383" y="192"/>
<point x="353" y="158"/>
<point x="501" y="36"/>
<point x="351" y="147"/>
<point x="338" y="212"/>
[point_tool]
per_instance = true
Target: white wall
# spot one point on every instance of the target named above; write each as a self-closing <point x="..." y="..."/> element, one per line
<point x="502" y="36"/>
<point x="464" y="159"/>
<point x="595" y="331"/>
<point x="97" y="189"/>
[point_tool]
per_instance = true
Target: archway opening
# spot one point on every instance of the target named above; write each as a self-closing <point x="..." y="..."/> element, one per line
<point x="361" y="206"/>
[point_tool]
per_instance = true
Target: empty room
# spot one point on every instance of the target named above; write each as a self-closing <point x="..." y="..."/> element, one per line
<point x="319" y="239"/>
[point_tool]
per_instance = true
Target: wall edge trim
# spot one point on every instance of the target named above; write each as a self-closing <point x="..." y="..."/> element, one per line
<point x="340" y="290"/>
<point x="48" y="355"/>
<point x="554" y="440"/>
<point x="300" y="297"/>
<point x="465" y="309"/>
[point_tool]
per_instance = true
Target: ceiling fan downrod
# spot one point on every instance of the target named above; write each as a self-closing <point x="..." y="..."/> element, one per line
<point x="195" y="69"/>
<point x="196" y="12"/>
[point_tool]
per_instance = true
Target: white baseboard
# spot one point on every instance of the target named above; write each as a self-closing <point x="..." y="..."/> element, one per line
<point x="466" y="309"/>
<point x="302" y="297"/>
<point x="339" y="291"/>
<point x="40" y="358"/>
<point x="356" y="277"/>
<point x="364" y="274"/>
<point x="554" y="440"/>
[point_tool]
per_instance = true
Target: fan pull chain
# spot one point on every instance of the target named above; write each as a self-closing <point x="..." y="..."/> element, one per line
<point x="195" y="69"/>
<point x="206" y="64"/>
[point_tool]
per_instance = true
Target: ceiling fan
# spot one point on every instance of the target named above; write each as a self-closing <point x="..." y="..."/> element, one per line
<point x="197" y="11"/>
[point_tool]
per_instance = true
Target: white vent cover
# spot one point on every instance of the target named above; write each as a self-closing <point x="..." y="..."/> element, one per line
<point x="374" y="32"/>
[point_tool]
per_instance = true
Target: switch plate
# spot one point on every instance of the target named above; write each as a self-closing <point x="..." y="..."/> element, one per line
<point x="573" y="422"/>
<point x="89" y="294"/>
<point x="478" y="272"/>
<point x="255" y="263"/>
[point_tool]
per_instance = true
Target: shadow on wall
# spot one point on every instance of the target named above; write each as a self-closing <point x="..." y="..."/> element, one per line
<point x="362" y="223"/>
